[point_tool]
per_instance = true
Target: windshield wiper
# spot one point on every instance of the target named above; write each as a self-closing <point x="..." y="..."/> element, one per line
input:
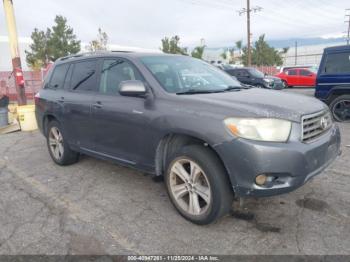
<point x="198" y="91"/>
<point x="230" y="88"/>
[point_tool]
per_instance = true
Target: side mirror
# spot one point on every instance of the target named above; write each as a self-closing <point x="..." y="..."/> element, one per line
<point x="132" y="88"/>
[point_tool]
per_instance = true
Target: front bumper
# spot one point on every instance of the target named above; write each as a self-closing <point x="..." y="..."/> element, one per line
<point x="292" y="163"/>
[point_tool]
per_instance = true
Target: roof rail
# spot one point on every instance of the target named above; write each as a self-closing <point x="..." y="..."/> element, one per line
<point x="91" y="53"/>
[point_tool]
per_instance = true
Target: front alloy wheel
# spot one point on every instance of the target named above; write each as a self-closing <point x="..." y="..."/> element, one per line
<point x="198" y="185"/>
<point x="190" y="187"/>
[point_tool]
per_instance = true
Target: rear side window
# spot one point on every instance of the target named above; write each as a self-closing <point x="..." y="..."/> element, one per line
<point x="115" y="71"/>
<point x="84" y="76"/>
<point x="338" y="63"/>
<point x="58" y="76"/>
<point x="292" y="72"/>
<point x="231" y="72"/>
<point x="242" y="73"/>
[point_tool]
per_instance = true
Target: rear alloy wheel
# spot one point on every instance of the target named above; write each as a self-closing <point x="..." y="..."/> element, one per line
<point x="340" y="108"/>
<point x="56" y="143"/>
<point x="59" y="149"/>
<point x="198" y="185"/>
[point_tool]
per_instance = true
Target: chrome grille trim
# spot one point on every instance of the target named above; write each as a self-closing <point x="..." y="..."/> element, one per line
<point x="312" y="126"/>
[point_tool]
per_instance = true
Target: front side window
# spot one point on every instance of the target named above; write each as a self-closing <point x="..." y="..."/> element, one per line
<point x="84" y="76"/>
<point x="338" y="63"/>
<point x="304" y="72"/>
<point x="58" y="76"/>
<point x="114" y="72"/>
<point x="177" y="74"/>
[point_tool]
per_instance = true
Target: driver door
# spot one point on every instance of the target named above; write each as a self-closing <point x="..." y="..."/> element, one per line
<point x="120" y="122"/>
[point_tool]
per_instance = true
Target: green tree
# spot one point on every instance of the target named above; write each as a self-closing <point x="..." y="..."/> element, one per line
<point x="198" y="52"/>
<point x="239" y="45"/>
<point x="262" y="54"/>
<point x="62" y="41"/>
<point x="172" y="46"/>
<point x="100" y="43"/>
<point x="38" y="57"/>
<point x="224" y="54"/>
<point x="231" y="51"/>
<point x="52" y="44"/>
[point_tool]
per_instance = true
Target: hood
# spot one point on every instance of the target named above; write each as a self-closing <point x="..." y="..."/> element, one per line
<point x="273" y="78"/>
<point x="256" y="102"/>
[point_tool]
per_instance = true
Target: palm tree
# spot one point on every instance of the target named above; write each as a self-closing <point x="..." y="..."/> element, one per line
<point x="239" y="46"/>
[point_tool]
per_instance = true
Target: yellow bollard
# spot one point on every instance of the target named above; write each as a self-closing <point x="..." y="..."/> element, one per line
<point x="26" y="116"/>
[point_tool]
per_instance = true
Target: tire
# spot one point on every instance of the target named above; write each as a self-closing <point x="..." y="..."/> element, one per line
<point x="285" y="84"/>
<point x="340" y="108"/>
<point x="58" y="147"/>
<point x="209" y="188"/>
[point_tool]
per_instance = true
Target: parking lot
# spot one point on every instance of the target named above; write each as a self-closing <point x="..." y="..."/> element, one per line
<point x="95" y="207"/>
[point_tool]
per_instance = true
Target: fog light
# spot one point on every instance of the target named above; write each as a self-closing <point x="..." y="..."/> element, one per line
<point x="261" y="180"/>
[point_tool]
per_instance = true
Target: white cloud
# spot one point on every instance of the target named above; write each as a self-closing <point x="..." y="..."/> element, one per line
<point x="143" y="23"/>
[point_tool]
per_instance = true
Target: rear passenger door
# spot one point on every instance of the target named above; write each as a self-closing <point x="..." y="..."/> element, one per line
<point x="307" y="78"/>
<point x="119" y="121"/>
<point x="81" y="82"/>
<point x="54" y="91"/>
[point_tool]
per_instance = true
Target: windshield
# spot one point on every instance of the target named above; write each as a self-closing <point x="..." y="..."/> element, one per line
<point x="256" y="73"/>
<point x="181" y="74"/>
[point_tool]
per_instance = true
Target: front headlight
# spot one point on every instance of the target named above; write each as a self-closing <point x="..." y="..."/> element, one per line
<point x="260" y="129"/>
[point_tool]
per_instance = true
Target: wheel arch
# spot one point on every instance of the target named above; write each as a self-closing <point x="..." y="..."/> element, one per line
<point x="336" y="92"/>
<point x="47" y="119"/>
<point x="171" y="142"/>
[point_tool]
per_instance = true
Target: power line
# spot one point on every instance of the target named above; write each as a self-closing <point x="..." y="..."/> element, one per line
<point x="348" y="21"/>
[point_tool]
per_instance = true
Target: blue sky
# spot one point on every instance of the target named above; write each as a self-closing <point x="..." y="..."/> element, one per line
<point x="144" y="22"/>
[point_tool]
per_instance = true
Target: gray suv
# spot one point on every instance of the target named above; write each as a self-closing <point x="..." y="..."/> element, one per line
<point x="178" y="117"/>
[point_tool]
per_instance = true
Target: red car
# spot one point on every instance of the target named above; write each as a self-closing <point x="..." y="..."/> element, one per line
<point x="298" y="77"/>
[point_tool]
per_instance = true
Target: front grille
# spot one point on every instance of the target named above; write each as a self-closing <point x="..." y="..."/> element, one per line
<point x="315" y="125"/>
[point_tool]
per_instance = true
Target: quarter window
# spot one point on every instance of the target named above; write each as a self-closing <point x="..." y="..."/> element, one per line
<point x="337" y="63"/>
<point x="84" y="76"/>
<point x="115" y="71"/>
<point x="58" y="76"/>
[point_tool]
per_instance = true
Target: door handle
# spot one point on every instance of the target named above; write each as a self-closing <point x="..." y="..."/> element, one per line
<point x="61" y="100"/>
<point x="98" y="104"/>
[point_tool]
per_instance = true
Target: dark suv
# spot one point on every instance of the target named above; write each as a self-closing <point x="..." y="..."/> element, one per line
<point x="253" y="77"/>
<point x="181" y="118"/>
<point x="333" y="81"/>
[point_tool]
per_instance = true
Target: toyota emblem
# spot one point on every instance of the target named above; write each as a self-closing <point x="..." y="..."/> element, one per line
<point x="324" y="123"/>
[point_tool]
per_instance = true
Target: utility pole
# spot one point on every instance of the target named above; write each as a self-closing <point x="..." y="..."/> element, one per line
<point x="348" y="22"/>
<point x="296" y="53"/>
<point x="15" y="55"/>
<point x="248" y="10"/>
